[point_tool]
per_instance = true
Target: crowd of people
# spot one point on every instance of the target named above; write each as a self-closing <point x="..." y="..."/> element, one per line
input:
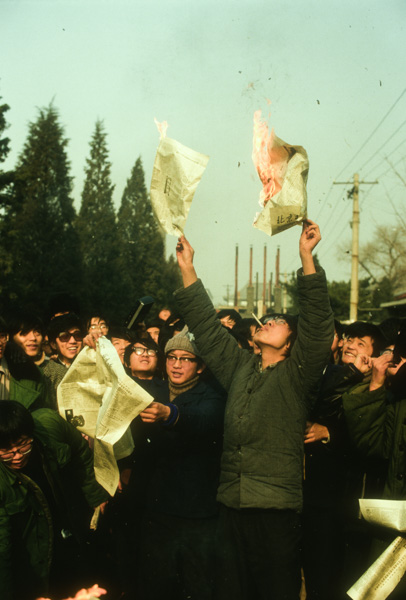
<point x="247" y="465"/>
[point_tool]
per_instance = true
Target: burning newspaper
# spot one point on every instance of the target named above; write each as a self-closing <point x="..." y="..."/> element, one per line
<point x="386" y="572"/>
<point x="100" y="399"/>
<point x="175" y="177"/>
<point x="283" y="170"/>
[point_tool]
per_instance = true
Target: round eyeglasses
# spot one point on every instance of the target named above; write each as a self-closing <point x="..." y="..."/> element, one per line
<point x="141" y="351"/>
<point x="276" y="319"/>
<point x="182" y="359"/>
<point x="24" y="448"/>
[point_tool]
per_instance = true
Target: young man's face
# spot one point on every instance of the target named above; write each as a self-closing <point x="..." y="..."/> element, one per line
<point x="154" y="333"/>
<point x="182" y="366"/>
<point x="98" y="324"/>
<point x="3" y="343"/>
<point x="17" y="456"/>
<point x="274" y="333"/>
<point x="29" y="341"/>
<point x="352" y="346"/>
<point x="143" y="361"/>
<point x="68" y="344"/>
<point x="120" y="344"/>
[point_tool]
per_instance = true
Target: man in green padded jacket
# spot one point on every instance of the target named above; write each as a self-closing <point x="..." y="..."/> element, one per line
<point x="269" y="396"/>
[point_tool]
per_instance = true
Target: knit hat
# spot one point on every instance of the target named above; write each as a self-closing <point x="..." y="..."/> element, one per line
<point x="183" y="341"/>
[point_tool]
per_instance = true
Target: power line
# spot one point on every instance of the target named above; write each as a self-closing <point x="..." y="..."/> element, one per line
<point x="371" y="135"/>
<point x="383" y="145"/>
<point x="387" y="156"/>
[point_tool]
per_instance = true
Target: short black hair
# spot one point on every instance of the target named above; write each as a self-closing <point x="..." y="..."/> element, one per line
<point x="3" y="325"/>
<point x="15" y="421"/>
<point x="147" y="341"/>
<point x="122" y="333"/>
<point x="24" y="321"/>
<point x="361" y="329"/>
<point x="95" y="315"/>
<point x="338" y="328"/>
<point x="229" y="312"/>
<point x="63" y="323"/>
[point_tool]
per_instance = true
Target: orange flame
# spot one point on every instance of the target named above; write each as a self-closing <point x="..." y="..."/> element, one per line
<point x="162" y="127"/>
<point x="94" y="592"/>
<point x="270" y="159"/>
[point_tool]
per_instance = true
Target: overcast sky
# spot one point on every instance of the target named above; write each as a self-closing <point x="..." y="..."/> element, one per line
<point x="333" y="71"/>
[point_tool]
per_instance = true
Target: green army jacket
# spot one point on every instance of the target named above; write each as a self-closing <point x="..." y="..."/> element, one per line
<point x="25" y="522"/>
<point x="378" y="429"/>
<point x="262" y="460"/>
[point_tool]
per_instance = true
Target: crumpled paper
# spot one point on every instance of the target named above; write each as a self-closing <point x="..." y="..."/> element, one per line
<point x="175" y="177"/>
<point x="283" y="170"/>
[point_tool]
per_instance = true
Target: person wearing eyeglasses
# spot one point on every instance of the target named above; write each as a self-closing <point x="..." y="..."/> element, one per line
<point x="47" y="492"/>
<point x="66" y="338"/>
<point x="269" y="397"/>
<point x="97" y="323"/>
<point x="176" y="544"/>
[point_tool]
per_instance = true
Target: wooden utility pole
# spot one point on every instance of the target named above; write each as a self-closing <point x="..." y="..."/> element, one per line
<point x="354" y="192"/>
<point x="264" y="284"/>
<point x="236" y="279"/>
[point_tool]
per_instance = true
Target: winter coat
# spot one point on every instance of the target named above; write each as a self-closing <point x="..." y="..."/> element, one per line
<point x="262" y="460"/>
<point x="26" y="530"/>
<point x="378" y="428"/>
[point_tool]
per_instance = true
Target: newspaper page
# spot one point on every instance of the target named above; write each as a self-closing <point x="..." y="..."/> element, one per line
<point x="100" y="399"/>
<point x="176" y="174"/>
<point x="283" y="170"/>
<point x="386" y="572"/>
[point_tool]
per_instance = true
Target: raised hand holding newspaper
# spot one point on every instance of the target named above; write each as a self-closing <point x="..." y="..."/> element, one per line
<point x="175" y="177"/>
<point x="283" y="170"/>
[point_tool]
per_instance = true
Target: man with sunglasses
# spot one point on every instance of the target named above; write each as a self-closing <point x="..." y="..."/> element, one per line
<point x="47" y="491"/>
<point x="66" y="338"/>
<point x="269" y="397"/>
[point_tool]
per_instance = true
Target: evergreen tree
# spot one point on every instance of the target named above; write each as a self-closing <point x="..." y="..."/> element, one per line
<point x="96" y="226"/>
<point x="142" y="250"/>
<point x="40" y="242"/>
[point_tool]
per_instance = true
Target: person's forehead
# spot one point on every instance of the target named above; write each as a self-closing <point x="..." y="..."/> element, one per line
<point x="366" y="339"/>
<point x="180" y="353"/>
<point x="139" y="345"/>
<point x="119" y="340"/>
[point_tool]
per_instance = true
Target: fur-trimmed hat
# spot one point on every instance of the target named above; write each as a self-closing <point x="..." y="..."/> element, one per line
<point x="183" y="341"/>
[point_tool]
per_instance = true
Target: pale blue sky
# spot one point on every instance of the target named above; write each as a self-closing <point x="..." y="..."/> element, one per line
<point x="332" y="71"/>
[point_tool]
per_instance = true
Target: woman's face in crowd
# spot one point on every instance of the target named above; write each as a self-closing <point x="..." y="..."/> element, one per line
<point x="143" y="361"/>
<point x="29" y="341"/>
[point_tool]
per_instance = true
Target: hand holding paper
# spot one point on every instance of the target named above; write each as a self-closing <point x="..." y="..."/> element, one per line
<point x="283" y="170"/>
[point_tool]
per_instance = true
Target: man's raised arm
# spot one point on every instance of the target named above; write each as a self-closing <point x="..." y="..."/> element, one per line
<point x="184" y="254"/>
<point x="308" y="241"/>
